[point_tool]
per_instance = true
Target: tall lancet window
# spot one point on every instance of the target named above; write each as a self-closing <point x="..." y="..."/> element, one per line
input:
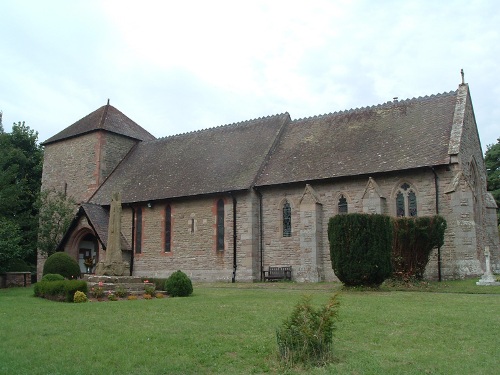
<point x="220" y="225"/>
<point x="287" y="220"/>
<point x="168" y="229"/>
<point x="342" y="205"/>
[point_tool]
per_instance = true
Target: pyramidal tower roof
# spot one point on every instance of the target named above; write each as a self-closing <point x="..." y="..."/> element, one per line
<point x="106" y="118"/>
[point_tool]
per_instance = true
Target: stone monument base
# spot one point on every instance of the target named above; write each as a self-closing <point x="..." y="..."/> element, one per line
<point x="133" y="284"/>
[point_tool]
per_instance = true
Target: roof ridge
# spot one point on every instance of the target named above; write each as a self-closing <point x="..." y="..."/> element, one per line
<point x="382" y="105"/>
<point x="230" y="125"/>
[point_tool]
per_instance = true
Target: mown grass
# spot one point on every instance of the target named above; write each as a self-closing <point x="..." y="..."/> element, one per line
<point x="230" y="329"/>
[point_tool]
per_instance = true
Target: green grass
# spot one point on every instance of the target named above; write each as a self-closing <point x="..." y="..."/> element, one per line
<point x="446" y="328"/>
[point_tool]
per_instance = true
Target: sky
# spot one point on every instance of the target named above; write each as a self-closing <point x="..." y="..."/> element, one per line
<point x="179" y="66"/>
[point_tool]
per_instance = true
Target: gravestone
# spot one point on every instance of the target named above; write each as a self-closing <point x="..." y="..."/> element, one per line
<point x="113" y="264"/>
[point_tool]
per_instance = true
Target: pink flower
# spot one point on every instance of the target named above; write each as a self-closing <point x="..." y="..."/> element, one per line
<point x="100" y="283"/>
<point x="146" y="281"/>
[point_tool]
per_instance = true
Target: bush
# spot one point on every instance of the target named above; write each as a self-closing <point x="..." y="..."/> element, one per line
<point x="307" y="335"/>
<point x="178" y="285"/>
<point x="60" y="290"/>
<point x="414" y="239"/>
<point x="62" y="264"/>
<point x="360" y="248"/>
<point x="79" y="297"/>
<point x="52" y="277"/>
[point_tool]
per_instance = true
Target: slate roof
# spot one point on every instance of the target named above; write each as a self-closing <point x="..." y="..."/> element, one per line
<point x="393" y="136"/>
<point x="105" y="118"/>
<point x="221" y="159"/>
<point x="275" y="150"/>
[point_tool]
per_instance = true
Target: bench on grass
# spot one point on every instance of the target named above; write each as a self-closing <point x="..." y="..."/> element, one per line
<point x="278" y="273"/>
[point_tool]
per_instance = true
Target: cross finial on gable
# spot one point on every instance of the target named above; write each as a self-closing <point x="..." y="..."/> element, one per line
<point x="462" y="73"/>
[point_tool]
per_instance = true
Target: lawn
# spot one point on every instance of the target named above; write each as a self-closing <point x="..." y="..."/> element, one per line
<point x="447" y="328"/>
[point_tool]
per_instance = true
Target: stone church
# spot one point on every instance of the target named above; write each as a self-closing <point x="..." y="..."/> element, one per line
<point x="225" y="203"/>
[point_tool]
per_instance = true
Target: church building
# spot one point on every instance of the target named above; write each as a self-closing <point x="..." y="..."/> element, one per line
<point x="225" y="203"/>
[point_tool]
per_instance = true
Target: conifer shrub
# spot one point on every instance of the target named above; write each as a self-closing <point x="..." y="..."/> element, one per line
<point x="179" y="285"/>
<point x="360" y="248"/>
<point x="414" y="239"/>
<point x="306" y="336"/>
<point x="79" y="297"/>
<point x="63" y="264"/>
<point x="52" y="277"/>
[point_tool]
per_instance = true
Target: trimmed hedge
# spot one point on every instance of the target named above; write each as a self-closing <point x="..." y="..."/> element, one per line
<point x="52" y="277"/>
<point x="62" y="264"/>
<point x="414" y="239"/>
<point x="60" y="290"/>
<point x="178" y="285"/>
<point x="360" y="248"/>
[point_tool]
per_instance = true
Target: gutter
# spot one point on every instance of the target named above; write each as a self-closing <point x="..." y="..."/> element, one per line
<point x="233" y="280"/>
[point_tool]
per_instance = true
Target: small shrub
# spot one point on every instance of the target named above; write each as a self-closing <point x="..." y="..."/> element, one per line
<point x="132" y="297"/>
<point x="159" y="295"/>
<point x="148" y="288"/>
<point x="179" y="285"/>
<point x="306" y="337"/>
<point x="52" y="277"/>
<point x="79" y="297"/>
<point x="63" y="264"/>
<point x="98" y="291"/>
<point x="112" y="296"/>
<point x="147" y="296"/>
<point x="121" y="292"/>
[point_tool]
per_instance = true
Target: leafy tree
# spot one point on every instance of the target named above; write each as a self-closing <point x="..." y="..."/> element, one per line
<point x="492" y="161"/>
<point x="56" y="213"/>
<point x="20" y="179"/>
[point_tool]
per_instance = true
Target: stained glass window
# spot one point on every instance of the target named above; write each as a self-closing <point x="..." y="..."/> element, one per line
<point x="342" y="205"/>
<point x="220" y="225"/>
<point x="138" y="231"/>
<point x="400" y="204"/>
<point x="287" y="220"/>
<point x="168" y="228"/>
<point x="412" y="203"/>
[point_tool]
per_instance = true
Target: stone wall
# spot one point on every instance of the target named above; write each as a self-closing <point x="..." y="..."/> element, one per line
<point x="283" y="251"/>
<point x="78" y="165"/>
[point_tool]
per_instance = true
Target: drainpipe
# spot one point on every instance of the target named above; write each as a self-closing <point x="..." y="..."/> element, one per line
<point x="437" y="213"/>
<point x="261" y="234"/>
<point x="133" y="242"/>
<point x="234" y="239"/>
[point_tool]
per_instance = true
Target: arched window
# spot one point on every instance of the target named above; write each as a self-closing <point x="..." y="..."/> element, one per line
<point x="406" y="201"/>
<point x="220" y="225"/>
<point x="287" y="220"/>
<point x="168" y="228"/>
<point x="342" y="205"/>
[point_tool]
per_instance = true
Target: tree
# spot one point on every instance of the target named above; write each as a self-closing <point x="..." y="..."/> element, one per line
<point x="56" y="213"/>
<point x="20" y="179"/>
<point x="492" y="161"/>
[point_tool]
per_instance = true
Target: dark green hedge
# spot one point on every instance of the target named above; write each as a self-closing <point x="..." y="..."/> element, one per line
<point x="62" y="264"/>
<point x="414" y="239"/>
<point x="360" y="248"/>
<point x="61" y="290"/>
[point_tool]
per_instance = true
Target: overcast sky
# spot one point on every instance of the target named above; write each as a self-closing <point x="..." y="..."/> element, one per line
<point x="179" y="66"/>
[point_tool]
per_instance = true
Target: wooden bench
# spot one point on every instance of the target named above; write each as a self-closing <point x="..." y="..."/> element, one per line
<point x="278" y="273"/>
